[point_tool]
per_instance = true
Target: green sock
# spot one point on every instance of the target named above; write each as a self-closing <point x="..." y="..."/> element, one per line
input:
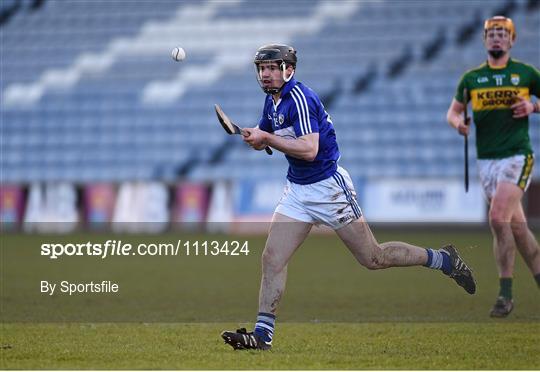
<point x="505" y="287"/>
<point x="537" y="278"/>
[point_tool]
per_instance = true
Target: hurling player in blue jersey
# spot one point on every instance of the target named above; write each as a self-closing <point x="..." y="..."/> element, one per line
<point x="318" y="191"/>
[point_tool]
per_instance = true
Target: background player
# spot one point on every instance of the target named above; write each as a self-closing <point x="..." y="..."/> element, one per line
<point x="500" y="91"/>
<point x="318" y="191"/>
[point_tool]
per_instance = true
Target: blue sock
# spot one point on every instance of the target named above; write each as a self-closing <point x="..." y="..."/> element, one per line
<point x="264" y="328"/>
<point x="438" y="259"/>
<point x="429" y="257"/>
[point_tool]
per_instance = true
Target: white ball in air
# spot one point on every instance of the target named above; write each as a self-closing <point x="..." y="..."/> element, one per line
<point x="178" y="54"/>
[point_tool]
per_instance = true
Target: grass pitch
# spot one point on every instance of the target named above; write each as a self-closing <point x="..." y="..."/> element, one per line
<point x="334" y="315"/>
<point x="298" y="346"/>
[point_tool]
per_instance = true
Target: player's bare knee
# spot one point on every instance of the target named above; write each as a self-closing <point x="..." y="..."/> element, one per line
<point x="373" y="265"/>
<point x="497" y="221"/>
<point x="496" y="215"/>
<point x="373" y="262"/>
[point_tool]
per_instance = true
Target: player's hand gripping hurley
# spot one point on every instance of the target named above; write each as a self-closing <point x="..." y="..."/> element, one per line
<point x="230" y="127"/>
<point x="466" y="137"/>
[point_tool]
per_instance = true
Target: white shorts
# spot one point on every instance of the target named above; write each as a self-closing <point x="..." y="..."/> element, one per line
<point x="331" y="202"/>
<point x="516" y="169"/>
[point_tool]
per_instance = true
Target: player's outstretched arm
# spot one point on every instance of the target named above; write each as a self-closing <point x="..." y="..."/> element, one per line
<point x="305" y="147"/>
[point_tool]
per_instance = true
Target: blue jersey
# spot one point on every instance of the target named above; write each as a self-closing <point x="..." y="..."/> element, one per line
<point x="300" y="112"/>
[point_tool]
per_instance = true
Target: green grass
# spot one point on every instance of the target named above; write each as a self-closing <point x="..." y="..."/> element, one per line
<point x="299" y="346"/>
<point x="334" y="314"/>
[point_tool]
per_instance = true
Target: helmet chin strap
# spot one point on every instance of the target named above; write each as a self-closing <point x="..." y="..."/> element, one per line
<point x="283" y="69"/>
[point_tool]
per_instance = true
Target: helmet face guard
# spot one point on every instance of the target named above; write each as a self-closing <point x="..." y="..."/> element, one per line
<point x="282" y="67"/>
<point x="500" y="22"/>
<point x="494" y="26"/>
<point x="283" y="55"/>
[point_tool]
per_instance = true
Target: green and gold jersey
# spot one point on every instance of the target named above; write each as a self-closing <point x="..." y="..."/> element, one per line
<point x="493" y="91"/>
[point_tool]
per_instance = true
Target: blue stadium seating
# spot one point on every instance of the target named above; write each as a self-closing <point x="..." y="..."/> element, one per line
<point x="100" y="127"/>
